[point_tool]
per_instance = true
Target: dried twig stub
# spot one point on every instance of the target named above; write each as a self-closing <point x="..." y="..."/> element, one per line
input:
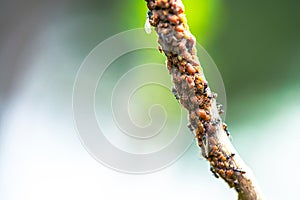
<point x="193" y="92"/>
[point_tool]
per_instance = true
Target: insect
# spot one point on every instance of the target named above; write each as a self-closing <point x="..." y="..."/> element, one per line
<point x="225" y="128"/>
<point x="147" y="23"/>
<point x="230" y="156"/>
<point x="220" y="108"/>
<point x="214" y="172"/>
<point x="149" y="14"/>
<point x="190" y="127"/>
<point x="215" y="122"/>
<point x="205" y="89"/>
<point x="239" y="171"/>
<point x="205" y="145"/>
<point x="174" y="91"/>
<point x="236" y="185"/>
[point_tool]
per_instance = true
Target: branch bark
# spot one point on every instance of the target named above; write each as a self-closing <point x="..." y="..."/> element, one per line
<point x="193" y="92"/>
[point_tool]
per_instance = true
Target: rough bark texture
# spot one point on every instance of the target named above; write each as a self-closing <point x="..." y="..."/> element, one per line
<point x="193" y="92"/>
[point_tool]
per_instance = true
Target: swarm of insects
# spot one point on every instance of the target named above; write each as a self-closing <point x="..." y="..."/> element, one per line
<point x="193" y="92"/>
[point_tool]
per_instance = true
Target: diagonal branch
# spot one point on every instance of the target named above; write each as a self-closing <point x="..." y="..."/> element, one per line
<point x="192" y="89"/>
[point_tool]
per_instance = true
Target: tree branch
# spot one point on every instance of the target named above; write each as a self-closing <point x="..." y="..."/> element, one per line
<point x="192" y="89"/>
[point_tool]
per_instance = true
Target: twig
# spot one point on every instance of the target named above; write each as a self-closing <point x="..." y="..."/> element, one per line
<point x="192" y="89"/>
